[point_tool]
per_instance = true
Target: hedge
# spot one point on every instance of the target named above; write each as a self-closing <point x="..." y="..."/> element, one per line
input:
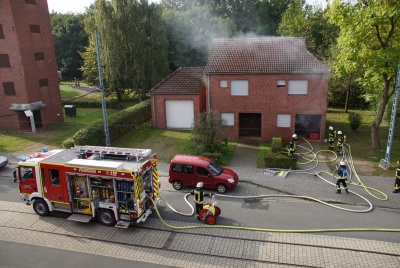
<point x="118" y="125"/>
<point x="276" y="160"/>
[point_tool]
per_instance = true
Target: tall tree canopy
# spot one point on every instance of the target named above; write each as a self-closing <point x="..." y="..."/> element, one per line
<point x="369" y="39"/>
<point x="69" y="39"/>
<point x="134" y="45"/>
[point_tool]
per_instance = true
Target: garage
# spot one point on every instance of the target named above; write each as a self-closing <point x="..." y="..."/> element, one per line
<point x="179" y="113"/>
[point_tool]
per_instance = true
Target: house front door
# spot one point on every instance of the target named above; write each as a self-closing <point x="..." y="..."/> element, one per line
<point x="249" y="125"/>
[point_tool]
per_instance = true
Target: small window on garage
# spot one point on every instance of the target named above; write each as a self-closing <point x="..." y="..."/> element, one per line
<point x="283" y="120"/>
<point x="39" y="56"/>
<point x="4" y="61"/>
<point x="34" y="28"/>
<point x="223" y="83"/>
<point x="43" y="82"/>
<point x="9" y="89"/>
<point x="298" y="87"/>
<point x="280" y="83"/>
<point x="239" y="88"/>
<point x="228" y="119"/>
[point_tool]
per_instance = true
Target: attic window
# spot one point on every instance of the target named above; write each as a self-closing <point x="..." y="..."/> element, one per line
<point x="281" y="83"/>
<point x="43" y="83"/>
<point x="39" y="56"/>
<point x="223" y="83"/>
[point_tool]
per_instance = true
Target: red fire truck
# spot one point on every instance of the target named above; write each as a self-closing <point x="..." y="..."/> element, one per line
<point x="114" y="185"/>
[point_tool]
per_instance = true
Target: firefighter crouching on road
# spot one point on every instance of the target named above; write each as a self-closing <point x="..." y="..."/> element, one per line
<point x="340" y="142"/>
<point x="292" y="145"/>
<point x="198" y="197"/>
<point x="331" y="138"/>
<point x="397" y="181"/>
<point x="342" y="172"/>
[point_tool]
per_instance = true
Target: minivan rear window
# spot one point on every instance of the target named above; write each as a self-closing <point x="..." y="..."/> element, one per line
<point x="186" y="169"/>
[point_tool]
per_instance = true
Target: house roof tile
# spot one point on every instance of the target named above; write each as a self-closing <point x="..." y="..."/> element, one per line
<point x="262" y="55"/>
<point x="185" y="80"/>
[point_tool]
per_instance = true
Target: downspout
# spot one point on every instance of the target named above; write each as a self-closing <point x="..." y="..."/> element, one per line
<point x="154" y="125"/>
<point x="208" y="95"/>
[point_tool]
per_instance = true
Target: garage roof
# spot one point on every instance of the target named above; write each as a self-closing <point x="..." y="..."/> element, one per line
<point x="185" y="80"/>
<point x="262" y="55"/>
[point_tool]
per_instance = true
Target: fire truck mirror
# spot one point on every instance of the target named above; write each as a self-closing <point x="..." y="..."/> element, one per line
<point x="15" y="175"/>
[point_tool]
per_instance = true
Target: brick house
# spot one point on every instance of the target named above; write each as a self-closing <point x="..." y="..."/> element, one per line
<point x="28" y="71"/>
<point x="262" y="87"/>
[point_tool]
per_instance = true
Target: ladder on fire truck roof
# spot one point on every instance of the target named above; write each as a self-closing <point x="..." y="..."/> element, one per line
<point x="385" y="163"/>
<point x="138" y="153"/>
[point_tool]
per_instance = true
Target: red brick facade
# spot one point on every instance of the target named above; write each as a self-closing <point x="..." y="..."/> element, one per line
<point x="32" y="72"/>
<point x="265" y="98"/>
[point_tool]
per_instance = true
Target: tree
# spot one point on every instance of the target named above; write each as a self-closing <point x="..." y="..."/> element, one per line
<point x="134" y="45"/>
<point x="69" y="40"/>
<point x="209" y="133"/>
<point x="369" y="37"/>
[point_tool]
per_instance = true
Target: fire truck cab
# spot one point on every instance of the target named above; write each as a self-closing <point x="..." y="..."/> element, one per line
<point x="114" y="185"/>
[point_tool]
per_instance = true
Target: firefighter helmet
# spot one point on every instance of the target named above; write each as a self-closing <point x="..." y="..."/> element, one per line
<point x="342" y="163"/>
<point x="339" y="132"/>
<point x="199" y="184"/>
<point x="294" y="136"/>
<point x="330" y="128"/>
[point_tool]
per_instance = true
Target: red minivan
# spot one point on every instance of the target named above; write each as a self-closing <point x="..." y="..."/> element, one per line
<point x="188" y="170"/>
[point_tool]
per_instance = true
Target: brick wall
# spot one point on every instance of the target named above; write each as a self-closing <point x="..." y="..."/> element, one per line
<point x="16" y="17"/>
<point x="266" y="98"/>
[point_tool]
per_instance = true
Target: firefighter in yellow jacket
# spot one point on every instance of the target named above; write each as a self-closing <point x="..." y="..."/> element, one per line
<point x="331" y="138"/>
<point x="198" y="197"/>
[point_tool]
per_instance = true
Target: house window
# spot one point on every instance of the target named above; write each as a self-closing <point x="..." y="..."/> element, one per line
<point x="223" y="83"/>
<point x="4" y="61"/>
<point x="43" y="83"/>
<point x="283" y="120"/>
<point x="239" y="88"/>
<point x="1" y="32"/>
<point x="39" y="56"/>
<point x="281" y="83"/>
<point x="228" y="119"/>
<point x="298" y="87"/>
<point x="32" y="2"/>
<point x="9" y="89"/>
<point x="34" y="28"/>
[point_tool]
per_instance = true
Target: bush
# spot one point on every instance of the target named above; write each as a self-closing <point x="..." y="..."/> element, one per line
<point x="276" y="144"/>
<point x="68" y="143"/>
<point x="214" y="156"/>
<point x="355" y="120"/>
<point x="279" y="161"/>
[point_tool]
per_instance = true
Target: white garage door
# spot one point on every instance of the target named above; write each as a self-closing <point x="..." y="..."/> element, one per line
<point x="180" y="113"/>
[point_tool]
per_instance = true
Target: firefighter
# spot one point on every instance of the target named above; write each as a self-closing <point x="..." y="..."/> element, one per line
<point x="342" y="172"/>
<point x="397" y="181"/>
<point x="198" y="197"/>
<point x="340" y="142"/>
<point x="331" y="138"/>
<point x="292" y="145"/>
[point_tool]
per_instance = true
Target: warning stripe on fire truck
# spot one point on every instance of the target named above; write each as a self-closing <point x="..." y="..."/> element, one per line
<point x="155" y="178"/>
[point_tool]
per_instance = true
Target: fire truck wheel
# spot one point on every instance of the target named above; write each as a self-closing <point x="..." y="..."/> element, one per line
<point x="41" y="207"/>
<point x="106" y="217"/>
<point x="221" y="188"/>
<point x="177" y="185"/>
<point x="210" y="219"/>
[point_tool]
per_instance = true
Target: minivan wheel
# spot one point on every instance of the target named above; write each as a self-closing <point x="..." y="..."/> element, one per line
<point x="221" y="188"/>
<point x="177" y="185"/>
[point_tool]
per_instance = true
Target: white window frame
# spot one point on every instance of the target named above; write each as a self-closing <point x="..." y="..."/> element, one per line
<point x="283" y="120"/>
<point x="239" y="87"/>
<point x="301" y="88"/>
<point x="228" y="119"/>
<point x="223" y="83"/>
<point x="281" y="83"/>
